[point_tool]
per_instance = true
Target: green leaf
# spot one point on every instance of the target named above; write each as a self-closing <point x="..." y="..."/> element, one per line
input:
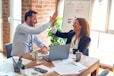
<point x="59" y="18"/>
<point x="54" y="39"/>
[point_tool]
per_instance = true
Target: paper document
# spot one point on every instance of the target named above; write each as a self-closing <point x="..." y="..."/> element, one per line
<point x="68" y="66"/>
<point x="64" y="70"/>
<point x="9" y="74"/>
<point x="62" y="62"/>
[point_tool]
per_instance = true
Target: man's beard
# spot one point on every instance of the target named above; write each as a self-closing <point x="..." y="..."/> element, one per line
<point x="31" y="24"/>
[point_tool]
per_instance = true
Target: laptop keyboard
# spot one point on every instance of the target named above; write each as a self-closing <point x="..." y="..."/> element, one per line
<point x="46" y="57"/>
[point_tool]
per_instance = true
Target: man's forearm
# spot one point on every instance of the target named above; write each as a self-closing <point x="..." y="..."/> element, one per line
<point x="31" y="30"/>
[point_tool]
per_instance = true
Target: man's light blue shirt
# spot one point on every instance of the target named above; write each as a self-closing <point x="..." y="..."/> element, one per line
<point x="24" y="35"/>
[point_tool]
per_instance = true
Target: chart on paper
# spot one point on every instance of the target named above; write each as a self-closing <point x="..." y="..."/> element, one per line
<point x="74" y="9"/>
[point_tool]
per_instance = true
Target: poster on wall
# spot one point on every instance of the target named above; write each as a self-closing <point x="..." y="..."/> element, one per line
<point x="74" y="9"/>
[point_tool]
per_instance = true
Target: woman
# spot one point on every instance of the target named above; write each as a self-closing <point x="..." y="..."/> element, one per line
<point x="79" y="37"/>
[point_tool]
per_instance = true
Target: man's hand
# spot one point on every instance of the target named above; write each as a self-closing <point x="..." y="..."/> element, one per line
<point x="53" y="18"/>
<point x="44" y="50"/>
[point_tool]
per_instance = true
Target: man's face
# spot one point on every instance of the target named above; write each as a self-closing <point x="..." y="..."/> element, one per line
<point x="33" y="20"/>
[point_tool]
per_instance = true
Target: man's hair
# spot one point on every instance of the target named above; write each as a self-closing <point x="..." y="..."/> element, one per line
<point x="29" y="14"/>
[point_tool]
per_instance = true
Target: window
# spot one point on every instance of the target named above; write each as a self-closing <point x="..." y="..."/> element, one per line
<point x="15" y="15"/>
<point x="60" y="8"/>
<point x="99" y="14"/>
<point x="111" y="20"/>
<point x="102" y="16"/>
<point x="102" y="30"/>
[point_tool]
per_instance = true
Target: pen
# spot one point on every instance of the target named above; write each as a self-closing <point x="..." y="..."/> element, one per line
<point x="19" y="62"/>
<point x="20" y="58"/>
<point x="13" y="60"/>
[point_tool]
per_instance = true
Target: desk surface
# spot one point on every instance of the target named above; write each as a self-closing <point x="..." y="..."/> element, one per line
<point x="92" y="65"/>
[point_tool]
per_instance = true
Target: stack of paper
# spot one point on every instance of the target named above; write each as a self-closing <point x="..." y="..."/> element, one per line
<point x="67" y="66"/>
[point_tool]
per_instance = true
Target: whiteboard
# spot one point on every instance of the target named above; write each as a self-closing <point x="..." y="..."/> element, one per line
<point x="74" y="9"/>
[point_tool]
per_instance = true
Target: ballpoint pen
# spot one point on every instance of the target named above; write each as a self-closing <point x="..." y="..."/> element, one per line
<point x="19" y="63"/>
<point x="20" y="59"/>
<point x="13" y="60"/>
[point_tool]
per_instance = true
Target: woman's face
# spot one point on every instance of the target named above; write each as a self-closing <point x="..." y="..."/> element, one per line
<point x="76" y="26"/>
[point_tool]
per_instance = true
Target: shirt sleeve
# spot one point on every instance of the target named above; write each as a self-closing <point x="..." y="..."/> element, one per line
<point x="38" y="42"/>
<point x="54" y="30"/>
<point x="24" y="28"/>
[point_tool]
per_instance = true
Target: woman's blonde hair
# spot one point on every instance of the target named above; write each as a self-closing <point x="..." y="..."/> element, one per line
<point x="85" y="28"/>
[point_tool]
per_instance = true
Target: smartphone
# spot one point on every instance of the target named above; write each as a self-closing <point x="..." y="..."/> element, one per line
<point x="40" y="70"/>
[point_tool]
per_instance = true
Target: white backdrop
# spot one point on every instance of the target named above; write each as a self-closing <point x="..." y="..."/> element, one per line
<point x="74" y="9"/>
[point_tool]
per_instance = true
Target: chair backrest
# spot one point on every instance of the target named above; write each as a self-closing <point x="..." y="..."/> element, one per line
<point x="104" y="73"/>
<point x="8" y="47"/>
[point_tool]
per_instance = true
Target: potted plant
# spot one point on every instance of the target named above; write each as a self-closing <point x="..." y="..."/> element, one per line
<point x="54" y="39"/>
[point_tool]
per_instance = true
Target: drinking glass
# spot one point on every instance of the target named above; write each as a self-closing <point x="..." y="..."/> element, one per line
<point x="39" y="58"/>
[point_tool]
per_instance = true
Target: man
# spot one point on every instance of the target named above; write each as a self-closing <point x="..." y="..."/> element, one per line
<point x="25" y="34"/>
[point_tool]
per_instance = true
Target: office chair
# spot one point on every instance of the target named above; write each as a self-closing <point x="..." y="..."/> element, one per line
<point x="104" y="73"/>
<point x="8" y="47"/>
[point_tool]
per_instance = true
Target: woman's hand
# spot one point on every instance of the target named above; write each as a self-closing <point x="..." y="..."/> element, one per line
<point x="44" y="50"/>
<point x="53" y="18"/>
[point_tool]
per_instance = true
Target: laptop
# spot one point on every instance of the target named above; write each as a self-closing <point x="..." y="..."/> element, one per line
<point x="58" y="52"/>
